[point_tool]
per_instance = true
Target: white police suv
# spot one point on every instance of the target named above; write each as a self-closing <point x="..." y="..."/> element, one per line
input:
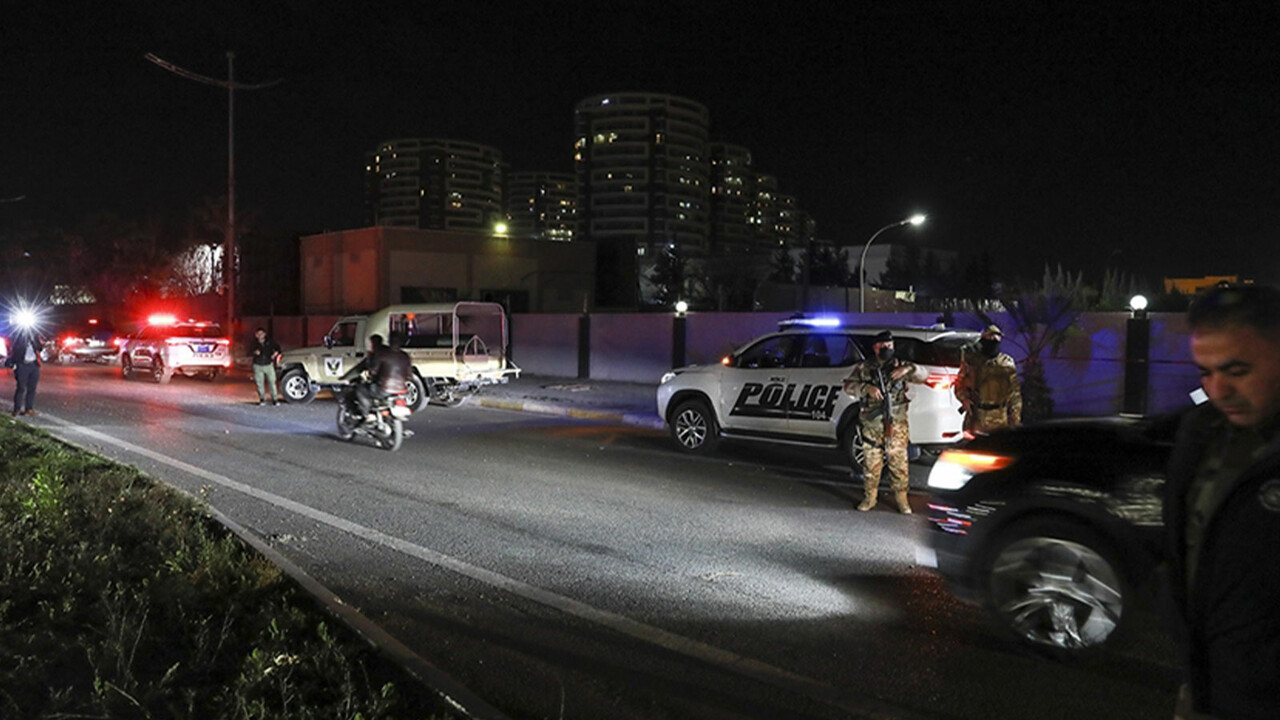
<point x="786" y="387"/>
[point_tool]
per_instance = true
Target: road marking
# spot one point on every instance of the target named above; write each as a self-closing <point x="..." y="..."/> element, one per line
<point x="724" y="659"/>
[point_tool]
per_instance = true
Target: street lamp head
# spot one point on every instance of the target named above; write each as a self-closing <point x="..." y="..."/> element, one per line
<point x="916" y="219"/>
<point x="500" y="228"/>
<point x="1138" y="302"/>
<point x="682" y="307"/>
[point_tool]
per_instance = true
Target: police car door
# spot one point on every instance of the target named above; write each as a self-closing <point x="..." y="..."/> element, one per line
<point x="752" y="389"/>
<point x="341" y="350"/>
<point x="814" y="392"/>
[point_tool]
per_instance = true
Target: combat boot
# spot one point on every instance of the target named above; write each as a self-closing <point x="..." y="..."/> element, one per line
<point x="904" y="507"/>
<point x="869" y="492"/>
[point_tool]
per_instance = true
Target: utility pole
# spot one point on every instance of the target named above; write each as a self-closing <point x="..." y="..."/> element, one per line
<point x="229" y="242"/>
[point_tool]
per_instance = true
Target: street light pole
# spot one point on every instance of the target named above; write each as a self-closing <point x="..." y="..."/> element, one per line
<point x="229" y="241"/>
<point x="862" y="263"/>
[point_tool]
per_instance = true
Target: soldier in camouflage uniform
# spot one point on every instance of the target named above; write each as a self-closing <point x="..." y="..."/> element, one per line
<point x="987" y="386"/>
<point x="884" y="434"/>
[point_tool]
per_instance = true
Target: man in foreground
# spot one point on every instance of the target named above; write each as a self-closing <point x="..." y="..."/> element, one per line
<point x="1222" y="511"/>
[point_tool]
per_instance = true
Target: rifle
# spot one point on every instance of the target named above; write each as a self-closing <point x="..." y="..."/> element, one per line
<point x="886" y="404"/>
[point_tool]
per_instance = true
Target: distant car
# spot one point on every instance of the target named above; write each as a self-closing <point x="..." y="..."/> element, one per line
<point x="91" y="341"/>
<point x="1053" y="526"/>
<point x="787" y="387"/>
<point x="164" y="347"/>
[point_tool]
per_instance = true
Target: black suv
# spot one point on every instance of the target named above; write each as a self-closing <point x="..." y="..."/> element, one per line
<point x="1053" y="526"/>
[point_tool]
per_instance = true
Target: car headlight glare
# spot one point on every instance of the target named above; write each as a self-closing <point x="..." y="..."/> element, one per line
<point x="955" y="468"/>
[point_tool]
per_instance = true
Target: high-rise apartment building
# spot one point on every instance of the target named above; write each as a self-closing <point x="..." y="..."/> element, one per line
<point x="733" y="191"/>
<point x="643" y="184"/>
<point x="434" y="183"/>
<point x="542" y="205"/>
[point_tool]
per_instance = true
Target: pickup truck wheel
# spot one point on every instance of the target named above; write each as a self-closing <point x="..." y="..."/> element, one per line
<point x="693" y="427"/>
<point x="417" y="393"/>
<point x="296" y="387"/>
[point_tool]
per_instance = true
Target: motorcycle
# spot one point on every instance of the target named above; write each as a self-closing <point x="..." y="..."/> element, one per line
<point x="384" y="424"/>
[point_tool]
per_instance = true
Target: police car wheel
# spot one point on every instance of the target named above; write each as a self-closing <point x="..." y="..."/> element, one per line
<point x="694" y="428"/>
<point x="296" y="387"/>
<point x="851" y="443"/>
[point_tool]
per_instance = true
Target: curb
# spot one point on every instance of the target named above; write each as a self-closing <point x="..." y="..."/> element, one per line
<point x="638" y="419"/>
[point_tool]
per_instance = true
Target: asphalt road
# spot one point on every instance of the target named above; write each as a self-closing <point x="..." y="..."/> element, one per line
<point x="565" y="569"/>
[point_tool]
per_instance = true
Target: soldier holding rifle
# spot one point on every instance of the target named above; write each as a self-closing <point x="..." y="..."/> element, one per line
<point x="879" y="384"/>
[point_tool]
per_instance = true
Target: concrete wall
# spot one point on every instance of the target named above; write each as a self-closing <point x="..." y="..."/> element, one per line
<point x="633" y="347"/>
<point x="545" y="344"/>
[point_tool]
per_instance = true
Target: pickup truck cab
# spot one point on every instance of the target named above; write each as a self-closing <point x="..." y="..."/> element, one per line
<point x="455" y="348"/>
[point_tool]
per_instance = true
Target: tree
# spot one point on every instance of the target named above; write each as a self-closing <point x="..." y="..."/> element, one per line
<point x="729" y="280"/>
<point x="903" y="268"/>
<point x="829" y="267"/>
<point x="782" y="267"/>
<point x="668" y="276"/>
<point x="1044" y="317"/>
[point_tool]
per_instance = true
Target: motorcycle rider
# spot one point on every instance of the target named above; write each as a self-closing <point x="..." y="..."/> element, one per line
<point x="388" y="370"/>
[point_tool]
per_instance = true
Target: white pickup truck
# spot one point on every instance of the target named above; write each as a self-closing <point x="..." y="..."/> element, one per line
<point x="456" y="349"/>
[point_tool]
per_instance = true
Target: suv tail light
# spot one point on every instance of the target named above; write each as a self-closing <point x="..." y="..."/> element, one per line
<point x="940" y="381"/>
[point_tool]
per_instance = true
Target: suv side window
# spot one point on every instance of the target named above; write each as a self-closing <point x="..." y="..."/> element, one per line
<point x="778" y="351"/>
<point x="343" y="334"/>
<point x="825" y="351"/>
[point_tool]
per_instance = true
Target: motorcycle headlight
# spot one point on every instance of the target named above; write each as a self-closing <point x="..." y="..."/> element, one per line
<point x="954" y="468"/>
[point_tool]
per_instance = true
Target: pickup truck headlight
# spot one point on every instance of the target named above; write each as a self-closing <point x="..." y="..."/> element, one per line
<point x="954" y="468"/>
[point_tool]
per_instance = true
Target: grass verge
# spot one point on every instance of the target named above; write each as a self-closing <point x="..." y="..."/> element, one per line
<point x="122" y="598"/>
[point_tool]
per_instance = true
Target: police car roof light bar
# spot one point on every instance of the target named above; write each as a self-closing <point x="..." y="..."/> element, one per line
<point x="811" y="322"/>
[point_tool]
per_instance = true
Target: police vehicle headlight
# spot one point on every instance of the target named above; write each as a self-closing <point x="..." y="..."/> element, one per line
<point x="955" y="468"/>
<point x="667" y="377"/>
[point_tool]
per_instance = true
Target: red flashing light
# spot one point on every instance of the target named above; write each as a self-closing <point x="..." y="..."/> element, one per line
<point x="93" y="321"/>
<point x="67" y="340"/>
<point x="162" y="319"/>
<point x="725" y="360"/>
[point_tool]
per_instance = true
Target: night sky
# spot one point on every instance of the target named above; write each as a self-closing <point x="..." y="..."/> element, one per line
<point x="1133" y="136"/>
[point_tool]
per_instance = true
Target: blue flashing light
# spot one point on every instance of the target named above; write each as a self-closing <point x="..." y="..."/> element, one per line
<point x="825" y="322"/>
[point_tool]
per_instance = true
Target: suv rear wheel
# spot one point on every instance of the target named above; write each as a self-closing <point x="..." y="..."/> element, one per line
<point x="693" y="427"/>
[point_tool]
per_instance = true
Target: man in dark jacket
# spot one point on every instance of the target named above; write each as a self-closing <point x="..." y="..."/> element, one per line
<point x="24" y="358"/>
<point x="1222" y="511"/>
<point x="388" y="368"/>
